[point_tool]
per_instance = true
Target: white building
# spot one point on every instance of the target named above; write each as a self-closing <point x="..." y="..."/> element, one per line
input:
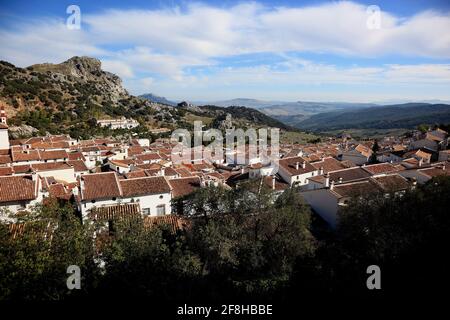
<point x="18" y="193"/>
<point x="296" y="171"/>
<point x="327" y="201"/>
<point x="105" y="189"/>
<point x="122" y="123"/>
<point x="4" y="139"/>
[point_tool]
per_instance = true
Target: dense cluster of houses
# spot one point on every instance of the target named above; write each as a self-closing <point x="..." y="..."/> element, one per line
<point x="109" y="178"/>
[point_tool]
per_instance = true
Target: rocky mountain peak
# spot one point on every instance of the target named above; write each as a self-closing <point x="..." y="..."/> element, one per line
<point x="83" y="66"/>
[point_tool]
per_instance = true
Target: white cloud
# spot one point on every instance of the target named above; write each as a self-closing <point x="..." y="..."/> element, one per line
<point x="118" y="67"/>
<point x="165" y="43"/>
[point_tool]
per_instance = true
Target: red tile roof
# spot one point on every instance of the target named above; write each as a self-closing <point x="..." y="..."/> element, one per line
<point x="6" y="171"/>
<point x="174" y="222"/>
<point x="144" y="186"/>
<point x="329" y="164"/>
<point x="184" y="186"/>
<point x="17" y="188"/>
<point x="115" y="212"/>
<point x="289" y="165"/>
<point x="100" y="186"/>
<point x="380" y="168"/>
<point x="78" y="165"/>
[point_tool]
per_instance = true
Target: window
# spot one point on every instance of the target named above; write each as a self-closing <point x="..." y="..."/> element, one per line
<point x="146" y="211"/>
<point x="161" y="196"/>
<point x="161" y="210"/>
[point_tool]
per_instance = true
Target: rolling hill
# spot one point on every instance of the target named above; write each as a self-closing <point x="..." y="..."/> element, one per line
<point x="158" y="99"/>
<point x="407" y="115"/>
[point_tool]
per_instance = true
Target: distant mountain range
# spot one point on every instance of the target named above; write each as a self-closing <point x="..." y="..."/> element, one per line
<point x="328" y="116"/>
<point x="408" y="115"/>
<point x="244" y="102"/>
<point x="158" y="99"/>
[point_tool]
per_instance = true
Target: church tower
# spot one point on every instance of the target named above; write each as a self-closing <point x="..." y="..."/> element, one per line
<point x="4" y="139"/>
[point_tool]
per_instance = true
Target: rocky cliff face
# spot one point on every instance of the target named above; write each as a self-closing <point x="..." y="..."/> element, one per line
<point x="67" y="97"/>
<point x="85" y="70"/>
<point x="77" y="82"/>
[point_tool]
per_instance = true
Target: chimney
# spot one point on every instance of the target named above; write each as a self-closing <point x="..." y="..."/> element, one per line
<point x="420" y="162"/>
<point x="341" y="180"/>
<point x="273" y="182"/>
<point x="242" y="170"/>
<point x="332" y="185"/>
<point x="414" y="183"/>
<point x="304" y="164"/>
<point x="296" y="165"/>
<point x="327" y="180"/>
<point x="163" y="171"/>
<point x="443" y="166"/>
<point x="320" y="171"/>
<point x="2" y="115"/>
<point x="81" y="185"/>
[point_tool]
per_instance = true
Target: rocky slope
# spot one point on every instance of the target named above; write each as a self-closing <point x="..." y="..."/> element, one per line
<point x="68" y="98"/>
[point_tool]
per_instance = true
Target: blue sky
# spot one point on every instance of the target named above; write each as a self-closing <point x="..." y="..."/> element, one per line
<point x="272" y="50"/>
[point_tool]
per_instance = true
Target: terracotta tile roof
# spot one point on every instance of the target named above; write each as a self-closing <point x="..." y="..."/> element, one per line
<point x="100" y="186"/>
<point x="122" y="163"/>
<point x="279" y="183"/>
<point x="392" y="183"/>
<point x="6" y="171"/>
<point x="152" y="172"/>
<point x="289" y="165"/>
<point x="398" y="147"/>
<point x="348" y="163"/>
<point x="5" y="159"/>
<point x="28" y="155"/>
<point x="418" y="153"/>
<point x="184" y="186"/>
<point x="364" y="150"/>
<point x="90" y="149"/>
<point x="149" y="166"/>
<point x="148" y="157"/>
<point x="134" y="150"/>
<point x="78" y="165"/>
<point x="50" y="145"/>
<point x="329" y="164"/>
<point x="216" y="175"/>
<point x="350" y="174"/>
<point x="17" y="188"/>
<point x="58" y="190"/>
<point x="433" y="136"/>
<point x="50" y="166"/>
<point x="144" y="186"/>
<point x="441" y="170"/>
<point x="170" y="172"/>
<point x="115" y="212"/>
<point x="175" y="223"/>
<point x="135" y="174"/>
<point x="355" y="189"/>
<point x="380" y="168"/>
<point x="182" y="172"/>
<point x="40" y="228"/>
<point x="23" y="168"/>
<point x="77" y="155"/>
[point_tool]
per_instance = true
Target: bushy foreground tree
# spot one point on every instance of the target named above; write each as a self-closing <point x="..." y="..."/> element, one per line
<point x="243" y="243"/>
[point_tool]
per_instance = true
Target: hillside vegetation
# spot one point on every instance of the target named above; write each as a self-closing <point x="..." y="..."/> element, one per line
<point x="68" y="98"/>
<point x="407" y="115"/>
